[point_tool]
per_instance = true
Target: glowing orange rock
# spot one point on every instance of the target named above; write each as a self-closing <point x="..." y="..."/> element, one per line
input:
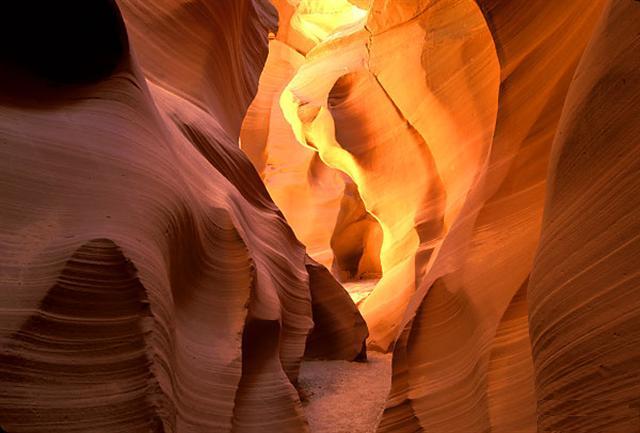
<point x="148" y="282"/>
<point x="447" y="142"/>
<point x="309" y="193"/>
<point x="450" y="374"/>
<point x="397" y="140"/>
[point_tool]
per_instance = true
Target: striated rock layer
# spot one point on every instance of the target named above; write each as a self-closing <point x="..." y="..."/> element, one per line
<point x="407" y="161"/>
<point x="440" y="116"/>
<point x="463" y="362"/>
<point x="147" y="280"/>
<point x="583" y="296"/>
<point x="474" y="160"/>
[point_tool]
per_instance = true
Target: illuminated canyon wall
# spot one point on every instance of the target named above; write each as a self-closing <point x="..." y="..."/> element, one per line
<point x="189" y="185"/>
<point x="442" y="116"/>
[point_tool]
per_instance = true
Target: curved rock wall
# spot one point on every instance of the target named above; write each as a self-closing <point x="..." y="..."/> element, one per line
<point x="147" y="280"/>
<point x="583" y="295"/>
<point x="321" y="204"/>
<point x="468" y="318"/>
<point x="442" y="116"/>
<point x="477" y="157"/>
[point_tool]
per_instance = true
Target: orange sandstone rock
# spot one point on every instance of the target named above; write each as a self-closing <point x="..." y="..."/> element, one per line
<point x="583" y="295"/>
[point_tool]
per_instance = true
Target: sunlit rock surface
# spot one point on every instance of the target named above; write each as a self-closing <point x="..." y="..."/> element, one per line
<point x="441" y="115"/>
<point x="351" y="106"/>
<point x="322" y="203"/>
<point x="454" y="346"/>
<point x="195" y="199"/>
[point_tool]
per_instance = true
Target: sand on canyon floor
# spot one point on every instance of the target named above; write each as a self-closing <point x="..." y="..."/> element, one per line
<point x="345" y="397"/>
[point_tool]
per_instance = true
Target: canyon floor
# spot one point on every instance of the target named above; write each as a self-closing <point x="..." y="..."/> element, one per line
<point x="345" y="397"/>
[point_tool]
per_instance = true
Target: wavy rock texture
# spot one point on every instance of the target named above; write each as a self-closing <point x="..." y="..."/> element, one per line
<point x="474" y="160"/>
<point x="442" y="115"/>
<point x="321" y="204"/>
<point x="148" y="281"/>
<point x="396" y="143"/>
<point x="583" y="296"/>
<point x="464" y="361"/>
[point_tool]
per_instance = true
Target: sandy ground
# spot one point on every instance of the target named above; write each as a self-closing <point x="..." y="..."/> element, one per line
<point x="345" y="397"/>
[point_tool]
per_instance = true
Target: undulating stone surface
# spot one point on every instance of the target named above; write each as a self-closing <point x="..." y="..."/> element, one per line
<point x="583" y="296"/>
<point x="188" y="186"/>
<point x="454" y="377"/>
<point x="147" y="280"/>
<point x="440" y="115"/>
<point x="320" y="202"/>
<point x="339" y="330"/>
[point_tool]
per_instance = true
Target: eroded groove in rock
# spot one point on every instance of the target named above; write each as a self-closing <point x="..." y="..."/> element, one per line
<point x="399" y="185"/>
<point x="204" y="378"/>
<point x="305" y="189"/>
<point x="208" y="52"/>
<point x="445" y="337"/>
<point x="510" y="393"/>
<point x="265" y="401"/>
<point x="356" y="239"/>
<point x="501" y="212"/>
<point x="374" y="128"/>
<point x="398" y="415"/>
<point x="85" y="352"/>
<point x="484" y="128"/>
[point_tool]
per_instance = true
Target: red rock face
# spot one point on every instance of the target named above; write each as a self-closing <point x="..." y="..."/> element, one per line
<point x="148" y="281"/>
<point x="584" y="284"/>
<point x="475" y="162"/>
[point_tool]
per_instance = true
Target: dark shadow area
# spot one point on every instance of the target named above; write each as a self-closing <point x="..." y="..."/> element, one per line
<point x="51" y="44"/>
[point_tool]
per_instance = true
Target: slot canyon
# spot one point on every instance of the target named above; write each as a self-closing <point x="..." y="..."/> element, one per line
<point x="320" y="216"/>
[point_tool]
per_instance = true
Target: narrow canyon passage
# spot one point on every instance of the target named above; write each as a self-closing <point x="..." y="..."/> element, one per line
<point x="320" y="216"/>
<point x="408" y="145"/>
